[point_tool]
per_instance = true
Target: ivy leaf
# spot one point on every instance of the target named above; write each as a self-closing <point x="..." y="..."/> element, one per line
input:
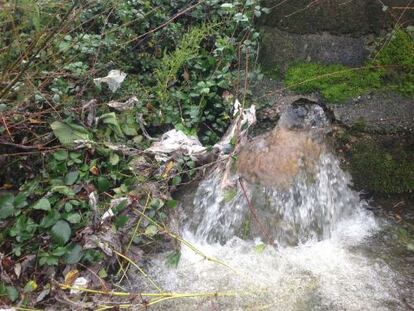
<point x="102" y="273"/>
<point x="156" y="203"/>
<point x="111" y="119"/>
<point x="121" y="220"/>
<point x="59" y="251"/>
<point x="173" y="259"/>
<point x="12" y="293"/>
<point x="227" y="6"/>
<point x="20" y="200"/>
<point x="171" y="203"/>
<point x="74" y="255"/>
<point x="60" y="155"/>
<point x="63" y="190"/>
<point x="71" y="178"/>
<point x="6" y="205"/>
<point x="61" y="232"/>
<point x="229" y="195"/>
<point x="50" y="219"/>
<point x="42" y="204"/>
<point x="67" y="133"/>
<point x="73" y="218"/>
<point x="129" y="130"/>
<point x="103" y="184"/>
<point x="176" y="180"/>
<point x="259" y="248"/>
<point x="114" y="159"/>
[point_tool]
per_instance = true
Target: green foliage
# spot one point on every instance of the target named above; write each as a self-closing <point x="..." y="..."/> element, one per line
<point x="9" y="291"/>
<point x="392" y="68"/>
<point x="68" y="133"/>
<point x="336" y="83"/>
<point x="178" y="73"/>
<point x="171" y="63"/>
<point x="376" y="169"/>
<point x="398" y="56"/>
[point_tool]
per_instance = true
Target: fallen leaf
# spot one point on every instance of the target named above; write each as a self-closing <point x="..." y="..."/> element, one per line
<point x="6" y="186"/>
<point x="43" y="293"/>
<point x="168" y="169"/>
<point x="34" y="121"/>
<point x="70" y="277"/>
<point x="94" y="170"/>
<point x="17" y="269"/>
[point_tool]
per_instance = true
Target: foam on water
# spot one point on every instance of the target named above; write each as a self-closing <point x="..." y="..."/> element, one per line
<point x="327" y="274"/>
<point x="324" y="275"/>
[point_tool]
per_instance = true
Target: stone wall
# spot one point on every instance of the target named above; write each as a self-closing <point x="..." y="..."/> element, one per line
<point x="326" y="31"/>
<point x="351" y="17"/>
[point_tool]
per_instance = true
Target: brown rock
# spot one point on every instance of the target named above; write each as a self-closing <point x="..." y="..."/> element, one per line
<point x="274" y="159"/>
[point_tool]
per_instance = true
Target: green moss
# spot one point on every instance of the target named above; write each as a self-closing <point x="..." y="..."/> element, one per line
<point x="398" y="58"/>
<point x="376" y="169"/>
<point x="336" y="83"/>
<point x="392" y="67"/>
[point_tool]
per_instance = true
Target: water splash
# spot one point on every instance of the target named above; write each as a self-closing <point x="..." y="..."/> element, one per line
<point x="309" y="210"/>
<point x="321" y="228"/>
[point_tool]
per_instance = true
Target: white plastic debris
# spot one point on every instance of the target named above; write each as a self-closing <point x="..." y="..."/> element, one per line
<point x="93" y="200"/>
<point x="172" y="142"/>
<point x="113" y="79"/>
<point x="122" y="106"/>
<point x="236" y="107"/>
<point x="80" y="282"/>
<point x="114" y="203"/>
<point x="176" y="142"/>
<point x="109" y="213"/>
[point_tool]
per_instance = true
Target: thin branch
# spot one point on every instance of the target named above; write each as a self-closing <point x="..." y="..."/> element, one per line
<point x="36" y="53"/>
<point x="166" y="23"/>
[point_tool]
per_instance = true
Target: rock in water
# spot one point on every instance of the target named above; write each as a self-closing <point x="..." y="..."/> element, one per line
<point x="276" y="158"/>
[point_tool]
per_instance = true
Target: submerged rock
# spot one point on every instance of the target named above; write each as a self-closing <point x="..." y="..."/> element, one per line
<point x="276" y="159"/>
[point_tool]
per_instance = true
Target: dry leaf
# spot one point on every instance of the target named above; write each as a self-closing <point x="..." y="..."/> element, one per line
<point x="168" y="168"/>
<point x="94" y="170"/>
<point x="70" y="277"/>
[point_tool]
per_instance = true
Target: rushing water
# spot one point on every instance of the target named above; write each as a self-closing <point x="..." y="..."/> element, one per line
<point x="311" y="245"/>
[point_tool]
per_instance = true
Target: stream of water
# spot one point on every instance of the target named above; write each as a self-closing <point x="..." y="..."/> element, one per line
<point x="328" y="251"/>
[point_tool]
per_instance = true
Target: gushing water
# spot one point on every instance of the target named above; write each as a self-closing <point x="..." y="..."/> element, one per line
<point x="302" y="245"/>
<point x="309" y="210"/>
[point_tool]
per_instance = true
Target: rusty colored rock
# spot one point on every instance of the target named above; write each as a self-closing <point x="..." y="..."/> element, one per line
<point x="276" y="158"/>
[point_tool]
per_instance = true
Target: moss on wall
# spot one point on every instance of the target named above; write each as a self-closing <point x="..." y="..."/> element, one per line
<point x="336" y="83"/>
<point x="383" y="165"/>
<point x="390" y="68"/>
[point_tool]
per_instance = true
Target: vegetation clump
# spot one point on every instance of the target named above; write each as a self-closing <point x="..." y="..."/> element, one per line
<point x="382" y="170"/>
<point x="336" y="83"/>
<point x="75" y="146"/>
<point x="391" y="67"/>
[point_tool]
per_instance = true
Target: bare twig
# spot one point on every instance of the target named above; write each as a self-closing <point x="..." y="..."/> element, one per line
<point x="265" y="232"/>
<point x="36" y="53"/>
<point x="166" y="23"/>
